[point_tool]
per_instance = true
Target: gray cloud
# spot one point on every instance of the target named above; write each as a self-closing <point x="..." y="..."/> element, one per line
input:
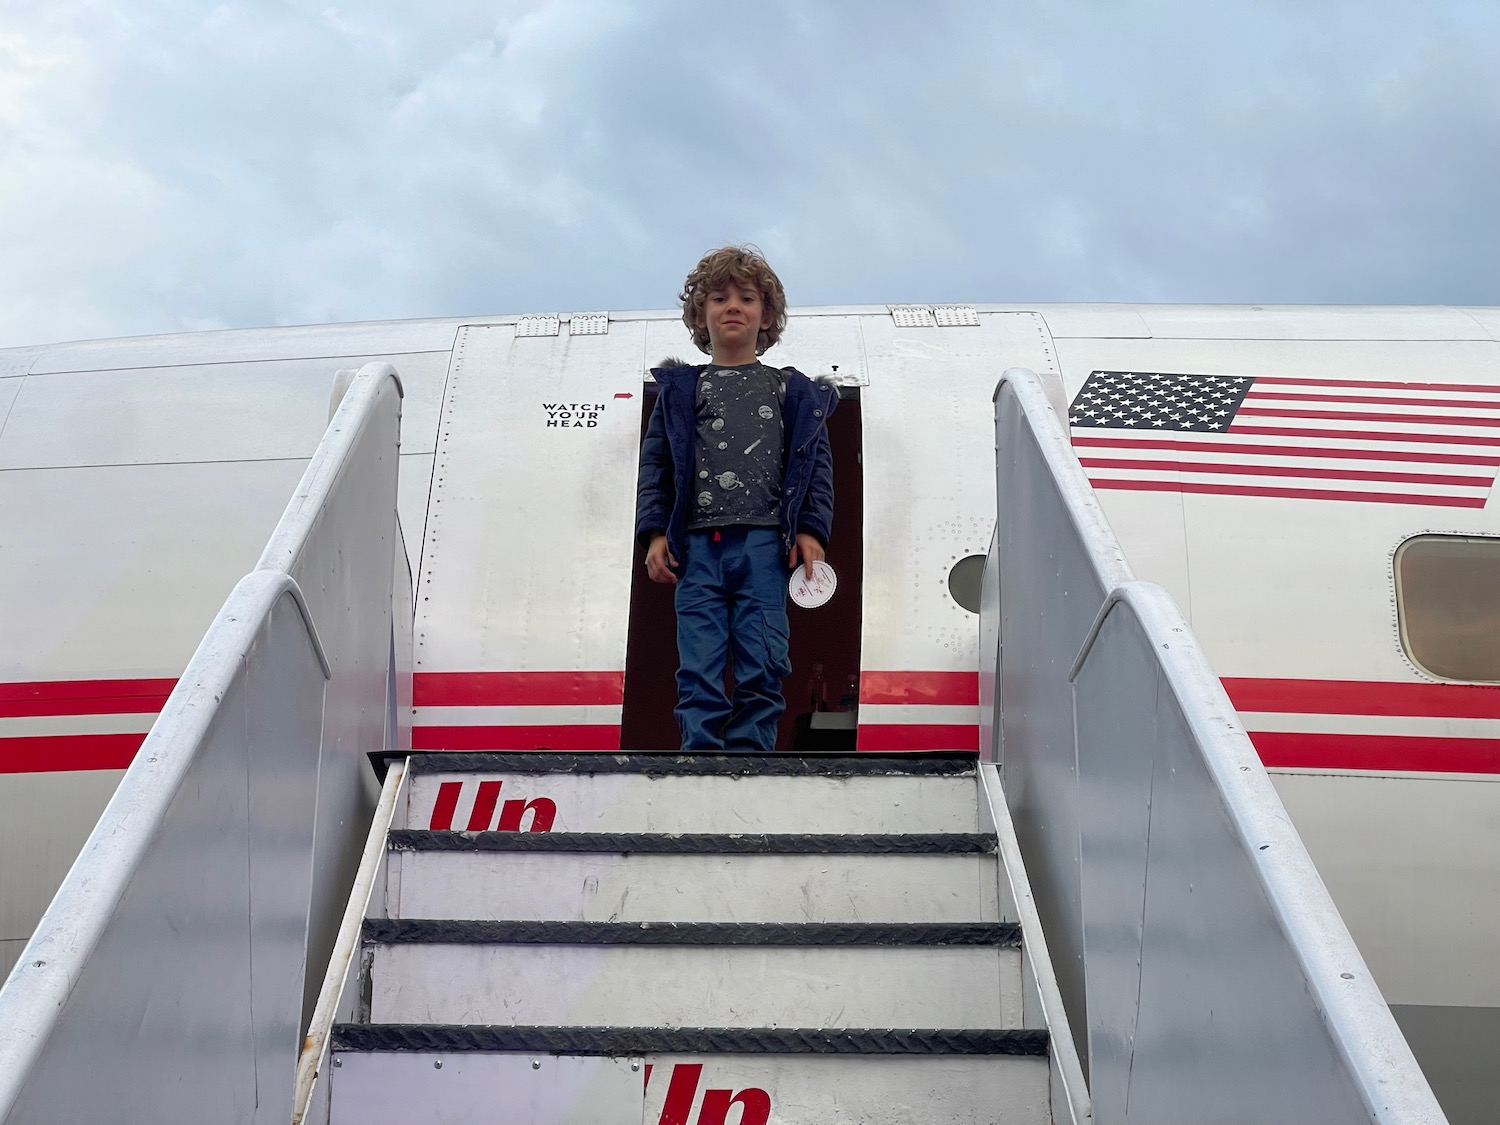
<point x="188" y="165"/>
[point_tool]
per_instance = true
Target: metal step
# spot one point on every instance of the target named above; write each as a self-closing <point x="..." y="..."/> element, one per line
<point x="666" y="878"/>
<point x="692" y="793"/>
<point x="405" y="1075"/>
<point x="694" y="975"/>
<point x="664" y="939"/>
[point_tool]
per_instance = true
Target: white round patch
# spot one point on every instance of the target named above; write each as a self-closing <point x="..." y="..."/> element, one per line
<point x="812" y="592"/>
<point x="766" y="412"/>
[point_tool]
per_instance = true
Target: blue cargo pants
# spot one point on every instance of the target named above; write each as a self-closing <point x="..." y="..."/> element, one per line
<point x="732" y="596"/>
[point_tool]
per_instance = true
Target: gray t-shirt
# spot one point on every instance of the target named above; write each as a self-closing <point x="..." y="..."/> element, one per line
<point x="737" y="447"/>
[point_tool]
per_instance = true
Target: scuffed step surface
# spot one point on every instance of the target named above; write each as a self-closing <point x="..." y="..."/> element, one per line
<point x="697" y="887"/>
<point x="675" y="985"/>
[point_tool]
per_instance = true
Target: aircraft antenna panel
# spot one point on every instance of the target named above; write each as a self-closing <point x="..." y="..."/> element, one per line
<point x="912" y="316"/>
<point x="536" y="326"/>
<point x="955" y="316"/>
<point x="588" y="324"/>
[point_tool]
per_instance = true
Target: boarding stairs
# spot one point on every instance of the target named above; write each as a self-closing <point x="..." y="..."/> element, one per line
<point x="690" y="940"/>
<point x="697" y="940"/>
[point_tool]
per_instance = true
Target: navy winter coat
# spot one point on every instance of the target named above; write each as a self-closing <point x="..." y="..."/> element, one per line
<point x="667" y="460"/>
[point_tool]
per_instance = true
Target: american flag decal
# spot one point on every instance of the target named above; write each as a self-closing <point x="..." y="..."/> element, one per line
<point x="1319" y="439"/>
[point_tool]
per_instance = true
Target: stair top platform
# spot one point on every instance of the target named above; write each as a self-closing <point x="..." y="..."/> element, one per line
<point x="689" y="1040"/>
<point x="938" y="763"/>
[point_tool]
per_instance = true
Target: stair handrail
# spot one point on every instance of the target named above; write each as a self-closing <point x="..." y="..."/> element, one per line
<point x="1065" y="773"/>
<point x="168" y="979"/>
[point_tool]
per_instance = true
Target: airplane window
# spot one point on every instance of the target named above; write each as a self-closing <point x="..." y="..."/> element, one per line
<point x="963" y="581"/>
<point x="1448" y="605"/>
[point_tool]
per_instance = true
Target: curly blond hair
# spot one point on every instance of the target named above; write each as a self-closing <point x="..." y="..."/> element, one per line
<point x="743" y="265"/>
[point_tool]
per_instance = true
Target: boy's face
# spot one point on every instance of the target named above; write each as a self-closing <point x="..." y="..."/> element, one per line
<point x="734" y="317"/>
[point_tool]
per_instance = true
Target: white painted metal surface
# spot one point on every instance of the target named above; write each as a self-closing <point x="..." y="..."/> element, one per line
<point x="1172" y="1034"/>
<point x="406" y="1089"/>
<point x="509" y="460"/>
<point x="706" y="888"/>
<point x="1294" y="602"/>
<point x="1054" y="548"/>
<point x="912" y="316"/>
<point x="1186" y="833"/>
<point x="40" y="836"/>
<point x="1292" y="322"/>
<point x="930" y="390"/>
<point x="1274" y="589"/>
<point x="338" y="540"/>
<point x="418" y="1088"/>
<point x="338" y="996"/>
<point x="82" y="599"/>
<point x="187" y="911"/>
<point x="237" y="807"/>
<point x="318" y="341"/>
<point x="536" y="326"/>
<point x="696" y="986"/>
<point x="1041" y="999"/>
<point x="175" y="415"/>
<point x="588" y="324"/>
<point x="813" y="1090"/>
<point x="1409" y="884"/>
<point x="955" y="316"/>
<point x="637" y="803"/>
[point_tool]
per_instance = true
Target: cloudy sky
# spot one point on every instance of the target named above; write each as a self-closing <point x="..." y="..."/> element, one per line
<point x="175" y="164"/>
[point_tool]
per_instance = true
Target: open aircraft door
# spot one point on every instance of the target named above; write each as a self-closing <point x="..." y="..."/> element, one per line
<point x="928" y="413"/>
<point x="822" y="689"/>
<point x="524" y="585"/>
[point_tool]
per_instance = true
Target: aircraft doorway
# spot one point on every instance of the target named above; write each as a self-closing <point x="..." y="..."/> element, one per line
<point x="828" y="636"/>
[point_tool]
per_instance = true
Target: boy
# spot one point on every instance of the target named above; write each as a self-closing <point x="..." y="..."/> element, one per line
<point x="736" y="488"/>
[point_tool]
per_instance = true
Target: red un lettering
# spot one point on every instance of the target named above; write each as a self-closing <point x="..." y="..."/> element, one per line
<point x="680" y="1091"/>
<point x="484" y="805"/>
<point x="755" y="1107"/>
<point x="677" y="1108"/>
<point x="543" y="813"/>
<point x="482" y="815"/>
<point x="447" y="802"/>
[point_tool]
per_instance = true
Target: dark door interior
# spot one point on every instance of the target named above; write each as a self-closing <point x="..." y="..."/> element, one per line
<point x="825" y="641"/>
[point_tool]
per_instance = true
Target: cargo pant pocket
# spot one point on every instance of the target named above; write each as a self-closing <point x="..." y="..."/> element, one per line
<point x="778" y="634"/>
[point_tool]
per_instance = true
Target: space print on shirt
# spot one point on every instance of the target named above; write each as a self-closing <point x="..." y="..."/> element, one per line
<point x="737" y="448"/>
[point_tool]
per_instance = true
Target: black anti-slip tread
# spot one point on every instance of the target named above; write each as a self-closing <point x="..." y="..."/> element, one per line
<point x="938" y="763"/>
<point x="452" y="931"/>
<point x="685" y="1040"/>
<point x="694" y="843"/>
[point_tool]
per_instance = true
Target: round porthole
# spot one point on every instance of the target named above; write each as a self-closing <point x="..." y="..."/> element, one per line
<point x="964" y="581"/>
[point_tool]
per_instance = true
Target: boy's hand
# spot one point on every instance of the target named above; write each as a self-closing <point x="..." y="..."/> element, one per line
<point x="659" y="561"/>
<point x="808" y="548"/>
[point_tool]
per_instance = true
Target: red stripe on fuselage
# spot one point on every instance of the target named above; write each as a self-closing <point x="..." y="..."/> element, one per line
<point x="518" y="689"/>
<point x="1370" y="416"/>
<point x="40" y="698"/>
<point x="1167" y="443"/>
<point x="1377" y="752"/>
<point x="1289" y="493"/>
<point x="60" y="753"/>
<point x="918" y="736"/>
<point x="1374" y="384"/>
<point x="1363" y="697"/>
<point x="1257" y="470"/>
<point x="581" y="736"/>
<point x="1378" y="400"/>
<point x="1350" y="434"/>
<point x="951" y="689"/>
